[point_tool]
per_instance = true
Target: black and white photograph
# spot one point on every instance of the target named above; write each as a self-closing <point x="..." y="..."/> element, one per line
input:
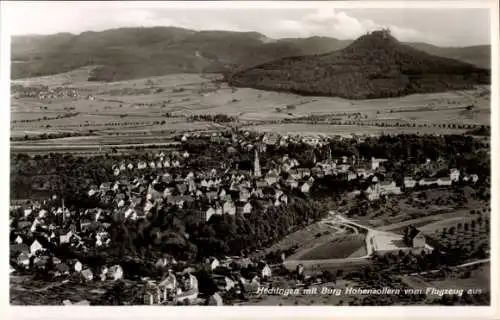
<point x="248" y="154"/>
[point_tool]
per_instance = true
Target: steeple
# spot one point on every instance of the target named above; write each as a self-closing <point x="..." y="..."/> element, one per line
<point x="256" y="165"/>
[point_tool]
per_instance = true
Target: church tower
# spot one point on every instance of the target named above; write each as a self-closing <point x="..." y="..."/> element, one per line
<point x="256" y="165"/>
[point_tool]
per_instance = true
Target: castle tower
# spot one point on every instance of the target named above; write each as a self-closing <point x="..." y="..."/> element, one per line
<point x="256" y="165"/>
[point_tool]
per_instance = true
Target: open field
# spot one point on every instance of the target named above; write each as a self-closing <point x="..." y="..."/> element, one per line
<point x="141" y="105"/>
<point x="345" y="130"/>
<point x="342" y="247"/>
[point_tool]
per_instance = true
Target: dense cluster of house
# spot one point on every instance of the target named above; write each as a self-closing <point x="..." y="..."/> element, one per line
<point x="211" y="192"/>
<point x="378" y="189"/>
<point x="166" y="180"/>
<point x="182" y="287"/>
<point x="41" y="227"/>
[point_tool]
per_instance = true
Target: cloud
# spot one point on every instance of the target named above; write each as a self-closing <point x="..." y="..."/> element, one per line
<point x="338" y="24"/>
<point x="47" y="18"/>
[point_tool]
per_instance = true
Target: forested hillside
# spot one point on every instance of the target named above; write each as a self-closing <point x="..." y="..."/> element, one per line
<point x="376" y="65"/>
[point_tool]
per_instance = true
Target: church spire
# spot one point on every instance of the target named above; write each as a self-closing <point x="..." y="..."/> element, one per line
<point x="256" y="166"/>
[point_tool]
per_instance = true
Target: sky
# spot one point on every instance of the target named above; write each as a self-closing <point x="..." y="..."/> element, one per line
<point x="438" y="26"/>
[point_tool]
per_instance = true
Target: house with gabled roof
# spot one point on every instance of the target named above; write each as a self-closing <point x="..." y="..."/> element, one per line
<point x="454" y="175"/>
<point x="375" y="163"/>
<point x="389" y="187"/>
<point x="373" y="192"/>
<point x="257" y="193"/>
<point x="305" y="187"/>
<point x="182" y="187"/>
<point x="78" y="266"/>
<point x="304" y="172"/>
<point x="261" y="184"/>
<point x="266" y="272"/>
<point x="209" y="213"/>
<point x="294" y="174"/>
<point x="27" y="212"/>
<point x="115" y="272"/>
<point x="166" y="163"/>
<point x="244" y="194"/>
<point x="413" y="237"/>
<point x="176" y="163"/>
<point x="218" y="209"/>
<point x="247" y="208"/>
<point x="204" y="183"/>
<point x="213" y="263"/>
<point x="23" y="259"/>
<point x="284" y="199"/>
<point x="211" y="196"/>
<point x="36" y="247"/>
<point x="445" y="181"/>
<point x="292" y="183"/>
<point x="105" y="186"/>
<point x="229" y="207"/>
<point x="427" y="182"/>
<point x="222" y="194"/>
<point x="61" y="269"/>
<point x="409" y="182"/>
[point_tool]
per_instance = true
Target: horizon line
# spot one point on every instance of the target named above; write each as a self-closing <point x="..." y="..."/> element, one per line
<point x="233" y="31"/>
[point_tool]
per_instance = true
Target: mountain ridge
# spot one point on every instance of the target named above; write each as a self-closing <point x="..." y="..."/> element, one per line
<point x="126" y="53"/>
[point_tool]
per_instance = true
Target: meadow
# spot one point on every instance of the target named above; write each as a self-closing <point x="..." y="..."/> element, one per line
<point x="161" y="105"/>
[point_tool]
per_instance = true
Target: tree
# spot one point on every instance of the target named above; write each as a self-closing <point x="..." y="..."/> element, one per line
<point x="328" y="276"/>
<point x="340" y="273"/>
<point x="452" y="231"/>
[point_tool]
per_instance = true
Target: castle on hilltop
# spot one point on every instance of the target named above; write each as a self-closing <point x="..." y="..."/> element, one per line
<point x="384" y="32"/>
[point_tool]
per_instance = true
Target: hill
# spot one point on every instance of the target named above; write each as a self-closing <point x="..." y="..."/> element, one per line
<point x="476" y="55"/>
<point x="128" y="53"/>
<point x="376" y="65"/>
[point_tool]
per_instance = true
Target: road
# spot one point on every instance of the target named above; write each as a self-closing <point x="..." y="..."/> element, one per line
<point x="85" y="147"/>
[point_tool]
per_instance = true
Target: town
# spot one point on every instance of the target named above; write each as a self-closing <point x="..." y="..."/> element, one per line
<point x="173" y="220"/>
